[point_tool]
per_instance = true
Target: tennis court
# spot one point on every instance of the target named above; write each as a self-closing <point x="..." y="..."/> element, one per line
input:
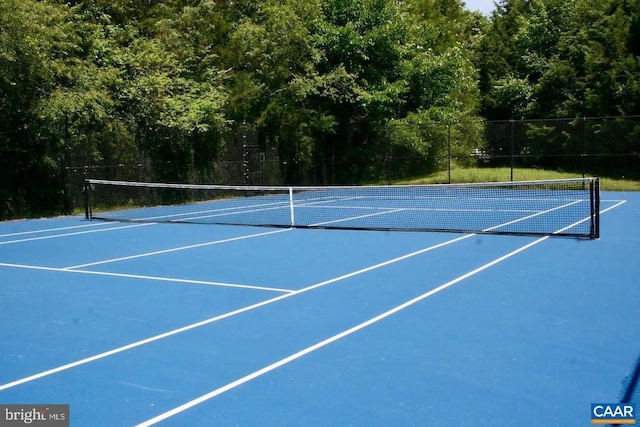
<point x="132" y="321"/>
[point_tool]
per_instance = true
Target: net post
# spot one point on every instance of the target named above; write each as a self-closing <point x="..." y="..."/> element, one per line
<point x="595" y="208"/>
<point x="293" y="222"/>
<point x="87" y="200"/>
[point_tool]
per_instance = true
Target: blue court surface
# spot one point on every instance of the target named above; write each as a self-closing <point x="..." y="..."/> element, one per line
<point x="219" y="325"/>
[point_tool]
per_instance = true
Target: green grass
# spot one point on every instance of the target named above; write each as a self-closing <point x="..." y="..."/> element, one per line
<point x="504" y="174"/>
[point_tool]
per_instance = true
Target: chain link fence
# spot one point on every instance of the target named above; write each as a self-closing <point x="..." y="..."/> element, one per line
<point x="608" y="146"/>
<point x="240" y="159"/>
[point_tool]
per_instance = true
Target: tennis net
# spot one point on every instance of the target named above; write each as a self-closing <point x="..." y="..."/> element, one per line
<point x="568" y="207"/>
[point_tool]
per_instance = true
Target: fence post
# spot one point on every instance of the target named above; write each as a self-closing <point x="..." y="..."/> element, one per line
<point x="511" y="159"/>
<point x="245" y="154"/>
<point x="389" y="154"/>
<point x="449" y="151"/>
<point x="584" y="146"/>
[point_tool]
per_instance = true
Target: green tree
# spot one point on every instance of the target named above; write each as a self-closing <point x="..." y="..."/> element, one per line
<point x="552" y="58"/>
<point x="175" y="110"/>
<point x="387" y="61"/>
<point x="36" y="43"/>
<point x="273" y="72"/>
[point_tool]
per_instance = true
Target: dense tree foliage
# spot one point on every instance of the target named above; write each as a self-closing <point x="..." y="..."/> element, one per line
<point x="332" y="85"/>
<point x="558" y="58"/>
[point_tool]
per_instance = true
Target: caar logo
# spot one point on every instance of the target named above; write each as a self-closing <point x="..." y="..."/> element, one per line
<point x="612" y="413"/>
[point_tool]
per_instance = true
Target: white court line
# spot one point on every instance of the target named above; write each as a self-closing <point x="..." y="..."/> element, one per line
<point x="273" y="208"/>
<point x="291" y="358"/>
<point x="138" y="276"/>
<point x="182" y="248"/>
<point x="541" y="213"/>
<point x="407" y="208"/>
<point x="620" y="202"/>
<point x="280" y="231"/>
<point x="318" y="200"/>
<point x="330" y="340"/>
<point x="239" y="311"/>
<point x="55" y="236"/>
<point x="357" y="217"/>
<point x="524" y="218"/>
<point x="228" y="211"/>
<point x="22" y="233"/>
<point x="222" y="316"/>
